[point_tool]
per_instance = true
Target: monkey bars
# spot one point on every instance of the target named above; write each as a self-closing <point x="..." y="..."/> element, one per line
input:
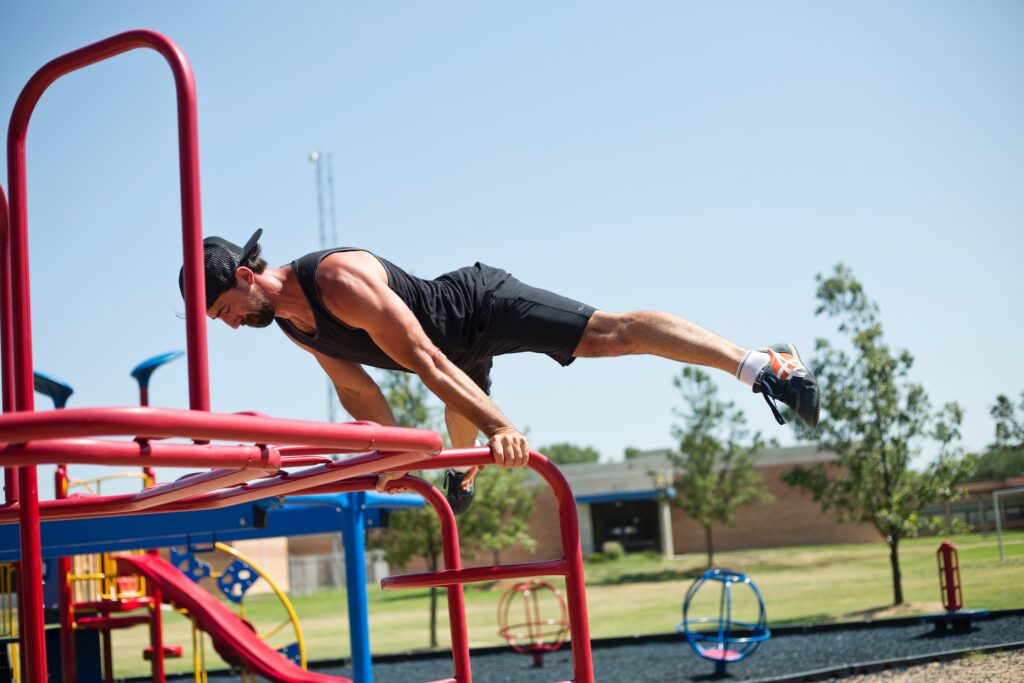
<point x="237" y="473"/>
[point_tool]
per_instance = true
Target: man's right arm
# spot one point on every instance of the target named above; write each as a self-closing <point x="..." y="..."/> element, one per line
<point x="358" y="393"/>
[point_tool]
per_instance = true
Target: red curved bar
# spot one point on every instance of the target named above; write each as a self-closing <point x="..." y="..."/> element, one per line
<point x="188" y="149"/>
<point x="71" y="423"/>
<point x="452" y="557"/>
<point x="18" y="280"/>
<point x="571" y="565"/>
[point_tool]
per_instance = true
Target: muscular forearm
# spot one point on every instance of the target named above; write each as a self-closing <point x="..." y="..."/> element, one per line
<point x="366" y="406"/>
<point x="460" y="393"/>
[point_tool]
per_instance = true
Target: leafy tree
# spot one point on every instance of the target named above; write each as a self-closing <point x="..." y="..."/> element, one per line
<point x="412" y="533"/>
<point x="631" y="452"/>
<point x="1009" y="427"/>
<point x="715" y="458"/>
<point x="1005" y="456"/>
<point x="500" y="515"/>
<point x="873" y="419"/>
<point x="570" y="454"/>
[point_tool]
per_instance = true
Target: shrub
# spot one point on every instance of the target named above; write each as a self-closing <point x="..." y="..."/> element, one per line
<point x="613" y="550"/>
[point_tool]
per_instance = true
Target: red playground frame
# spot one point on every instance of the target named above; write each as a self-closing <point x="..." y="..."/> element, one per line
<point x="29" y="438"/>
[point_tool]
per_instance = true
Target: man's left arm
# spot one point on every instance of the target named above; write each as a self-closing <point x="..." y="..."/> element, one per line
<point x="360" y="298"/>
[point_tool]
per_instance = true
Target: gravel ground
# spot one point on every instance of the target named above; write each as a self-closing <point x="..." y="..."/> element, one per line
<point x="1006" y="667"/>
<point x="780" y="656"/>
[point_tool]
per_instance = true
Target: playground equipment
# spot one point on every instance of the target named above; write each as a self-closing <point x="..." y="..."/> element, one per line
<point x="536" y="634"/>
<point x="246" y="473"/>
<point x="955" y="619"/>
<point x="722" y="639"/>
<point x="234" y="582"/>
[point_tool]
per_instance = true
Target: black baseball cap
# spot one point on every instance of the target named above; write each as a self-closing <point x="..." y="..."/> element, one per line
<point x="221" y="258"/>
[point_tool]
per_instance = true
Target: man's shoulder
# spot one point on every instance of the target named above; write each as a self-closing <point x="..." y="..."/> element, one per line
<point x="340" y="266"/>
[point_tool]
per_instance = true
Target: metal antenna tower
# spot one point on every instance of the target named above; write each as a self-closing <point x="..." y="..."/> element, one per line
<point x="316" y="159"/>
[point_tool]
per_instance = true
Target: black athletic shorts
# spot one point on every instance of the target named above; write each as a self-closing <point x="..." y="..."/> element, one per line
<point x="520" y="319"/>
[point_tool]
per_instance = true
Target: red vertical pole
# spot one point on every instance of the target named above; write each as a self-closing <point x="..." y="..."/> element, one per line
<point x="452" y="560"/>
<point x="156" y="636"/>
<point x="65" y="597"/>
<point x="21" y="349"/>
<point x="6" y="339"/>
<point x="156" y="617"/>
<point x="575" y="589"/>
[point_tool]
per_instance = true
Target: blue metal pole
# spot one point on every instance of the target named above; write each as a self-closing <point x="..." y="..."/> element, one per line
<point x="354" y="541"/>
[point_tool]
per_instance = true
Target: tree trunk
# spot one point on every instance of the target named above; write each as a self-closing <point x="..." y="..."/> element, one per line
<point x="710" y="546"/>
<point x="894" y="560"/>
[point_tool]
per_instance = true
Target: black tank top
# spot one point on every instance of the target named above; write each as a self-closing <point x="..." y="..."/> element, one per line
<point x="452" y="309"/>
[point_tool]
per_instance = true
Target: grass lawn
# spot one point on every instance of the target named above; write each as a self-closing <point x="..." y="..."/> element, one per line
<point x="643" y="595"/>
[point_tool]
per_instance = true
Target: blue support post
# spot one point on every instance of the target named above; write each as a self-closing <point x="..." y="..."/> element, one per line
<point x="354" y="541"/>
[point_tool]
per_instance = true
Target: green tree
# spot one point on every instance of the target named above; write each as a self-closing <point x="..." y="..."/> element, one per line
<point x="412" y="533"/>
<point x="716" y="456"/>
<point x="1005" y="456"/>
<point x="631" y="452"/>
<point x="570" y="454"/>
<point x="501" y="513"/>
<point x="874" y="419"/>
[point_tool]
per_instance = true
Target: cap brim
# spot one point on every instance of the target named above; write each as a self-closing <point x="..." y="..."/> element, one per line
<point x="251" y="244"/>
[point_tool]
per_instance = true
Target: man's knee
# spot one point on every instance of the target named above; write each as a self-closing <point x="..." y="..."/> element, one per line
<point x="606" y="334"/>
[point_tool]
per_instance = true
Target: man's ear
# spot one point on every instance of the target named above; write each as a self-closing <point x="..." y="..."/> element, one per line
<point x="243" y="274"/>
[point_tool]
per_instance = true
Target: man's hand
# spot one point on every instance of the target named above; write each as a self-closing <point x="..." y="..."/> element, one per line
<point x="384" y="477"/>
<point x="509" y="448"/>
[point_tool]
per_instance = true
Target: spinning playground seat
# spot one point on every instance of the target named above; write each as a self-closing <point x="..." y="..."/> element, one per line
<point x="722" y="639"/>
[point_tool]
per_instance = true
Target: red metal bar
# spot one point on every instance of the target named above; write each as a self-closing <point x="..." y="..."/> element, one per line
<point x="188" y="148"/>
<point x="156" y="636"/>
<point x="281" y="485"/>
<point x="134" y="503"/>
<point x="166" y="422"/>
<point x="65" y="598"/>
<point x="575" y="589"/>
<point x="475" y="575"/>
<point x="6" y="339"/>
<point x="451" y="555"/>
<point x="21" y="349"/>
<point x="132" y="453"/>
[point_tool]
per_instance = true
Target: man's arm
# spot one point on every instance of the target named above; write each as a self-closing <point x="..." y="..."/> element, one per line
<point x="353" y="286"/>
<point x="358" y="393"/>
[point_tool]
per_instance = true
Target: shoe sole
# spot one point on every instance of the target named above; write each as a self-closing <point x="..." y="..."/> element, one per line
<point x="817" y="394"/>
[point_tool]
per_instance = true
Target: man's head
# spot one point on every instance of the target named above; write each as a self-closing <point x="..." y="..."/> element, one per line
<point x="232" y="293"/>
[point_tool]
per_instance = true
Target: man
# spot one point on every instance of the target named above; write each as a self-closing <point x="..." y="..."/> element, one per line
<point x="350" y="308"/>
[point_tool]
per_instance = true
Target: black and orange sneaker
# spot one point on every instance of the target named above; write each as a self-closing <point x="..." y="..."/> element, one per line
<point x="787" y="379"/>
<point x="459" y="495"/>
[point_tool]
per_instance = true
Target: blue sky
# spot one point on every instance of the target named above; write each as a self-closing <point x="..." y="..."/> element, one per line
<point x="704" y="159"/>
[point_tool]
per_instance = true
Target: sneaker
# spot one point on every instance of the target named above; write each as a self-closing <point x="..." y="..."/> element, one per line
<point x="787" y="379"/>
<point x="459" y="497"/>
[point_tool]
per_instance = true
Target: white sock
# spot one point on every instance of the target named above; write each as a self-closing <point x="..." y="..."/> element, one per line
<point x="751" y="366"/>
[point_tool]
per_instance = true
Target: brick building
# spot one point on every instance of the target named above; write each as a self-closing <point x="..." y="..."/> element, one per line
<point x="629" y="502"/>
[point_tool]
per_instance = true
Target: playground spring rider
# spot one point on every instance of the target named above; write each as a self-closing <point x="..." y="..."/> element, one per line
<point x="722" y="639"/>
<point x="535" y="634"/>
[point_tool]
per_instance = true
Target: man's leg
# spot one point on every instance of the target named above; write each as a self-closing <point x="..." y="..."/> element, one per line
<point x="458" y="481"/>
<point x="461" y="431"/>
<point x="776" y="371"/>
<point x="659" y="334"/>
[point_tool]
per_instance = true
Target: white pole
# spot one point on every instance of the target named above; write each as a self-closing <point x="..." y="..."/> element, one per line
<point x="997" y="509"/>
<point x="999" y="523"/>
<point x="314" y="157"/>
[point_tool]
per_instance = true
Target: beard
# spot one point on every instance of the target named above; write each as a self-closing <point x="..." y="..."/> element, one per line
<point x="263" y="313"/>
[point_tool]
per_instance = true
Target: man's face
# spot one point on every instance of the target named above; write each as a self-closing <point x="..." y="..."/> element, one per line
<point x="246" y="305"/>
